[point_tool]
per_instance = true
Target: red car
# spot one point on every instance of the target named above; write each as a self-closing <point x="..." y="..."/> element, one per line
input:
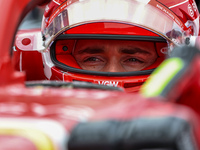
<point x="41" y="114"/>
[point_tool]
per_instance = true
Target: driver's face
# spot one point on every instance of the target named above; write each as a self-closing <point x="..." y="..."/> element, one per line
<point x="114" y="55"/>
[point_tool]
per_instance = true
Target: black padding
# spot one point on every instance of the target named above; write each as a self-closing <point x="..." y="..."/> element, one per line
<point x="147" y="133"/>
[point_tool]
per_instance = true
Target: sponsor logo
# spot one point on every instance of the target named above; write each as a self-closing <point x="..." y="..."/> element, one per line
<point x="109" y="83"/>
<point x="164" y="50"/>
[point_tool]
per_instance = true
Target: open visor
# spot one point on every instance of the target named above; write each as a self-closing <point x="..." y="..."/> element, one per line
<point x="83" y="53"/>
<point x="147" y="16"/>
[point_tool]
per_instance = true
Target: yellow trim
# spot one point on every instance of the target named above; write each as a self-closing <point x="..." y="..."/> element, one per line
<point x="161" y="77"/>
<point x="41" y="141"/>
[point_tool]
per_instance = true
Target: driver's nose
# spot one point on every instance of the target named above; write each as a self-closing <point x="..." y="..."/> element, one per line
<point x="113" y="66"/>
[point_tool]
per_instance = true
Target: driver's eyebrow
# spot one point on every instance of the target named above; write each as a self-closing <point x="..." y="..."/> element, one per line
<point x="91" y="50"/>
<point x="133" y="51"/>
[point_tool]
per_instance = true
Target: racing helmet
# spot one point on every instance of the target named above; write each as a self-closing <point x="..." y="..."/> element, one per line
<point x="157" y="25"/>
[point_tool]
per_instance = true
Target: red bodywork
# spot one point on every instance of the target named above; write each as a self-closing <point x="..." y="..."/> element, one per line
<point x="36" y="118"/>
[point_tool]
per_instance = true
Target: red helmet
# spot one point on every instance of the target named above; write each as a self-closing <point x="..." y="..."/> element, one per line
<point x="131" y="26"/>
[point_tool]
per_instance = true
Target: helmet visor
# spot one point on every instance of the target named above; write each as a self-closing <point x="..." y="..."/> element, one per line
<point x="123" y="11"/>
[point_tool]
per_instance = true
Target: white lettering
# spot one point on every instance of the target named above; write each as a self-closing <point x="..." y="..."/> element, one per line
<point x="160" y="7"/>
<point x="109" y="83"/>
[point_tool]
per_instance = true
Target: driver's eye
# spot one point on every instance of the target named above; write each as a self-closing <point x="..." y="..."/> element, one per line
<point x="92" y="59"/>
<point x="134" y="60"/>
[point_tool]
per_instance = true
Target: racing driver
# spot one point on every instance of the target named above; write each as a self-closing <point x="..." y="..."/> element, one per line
<point x="113" y="42"/>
